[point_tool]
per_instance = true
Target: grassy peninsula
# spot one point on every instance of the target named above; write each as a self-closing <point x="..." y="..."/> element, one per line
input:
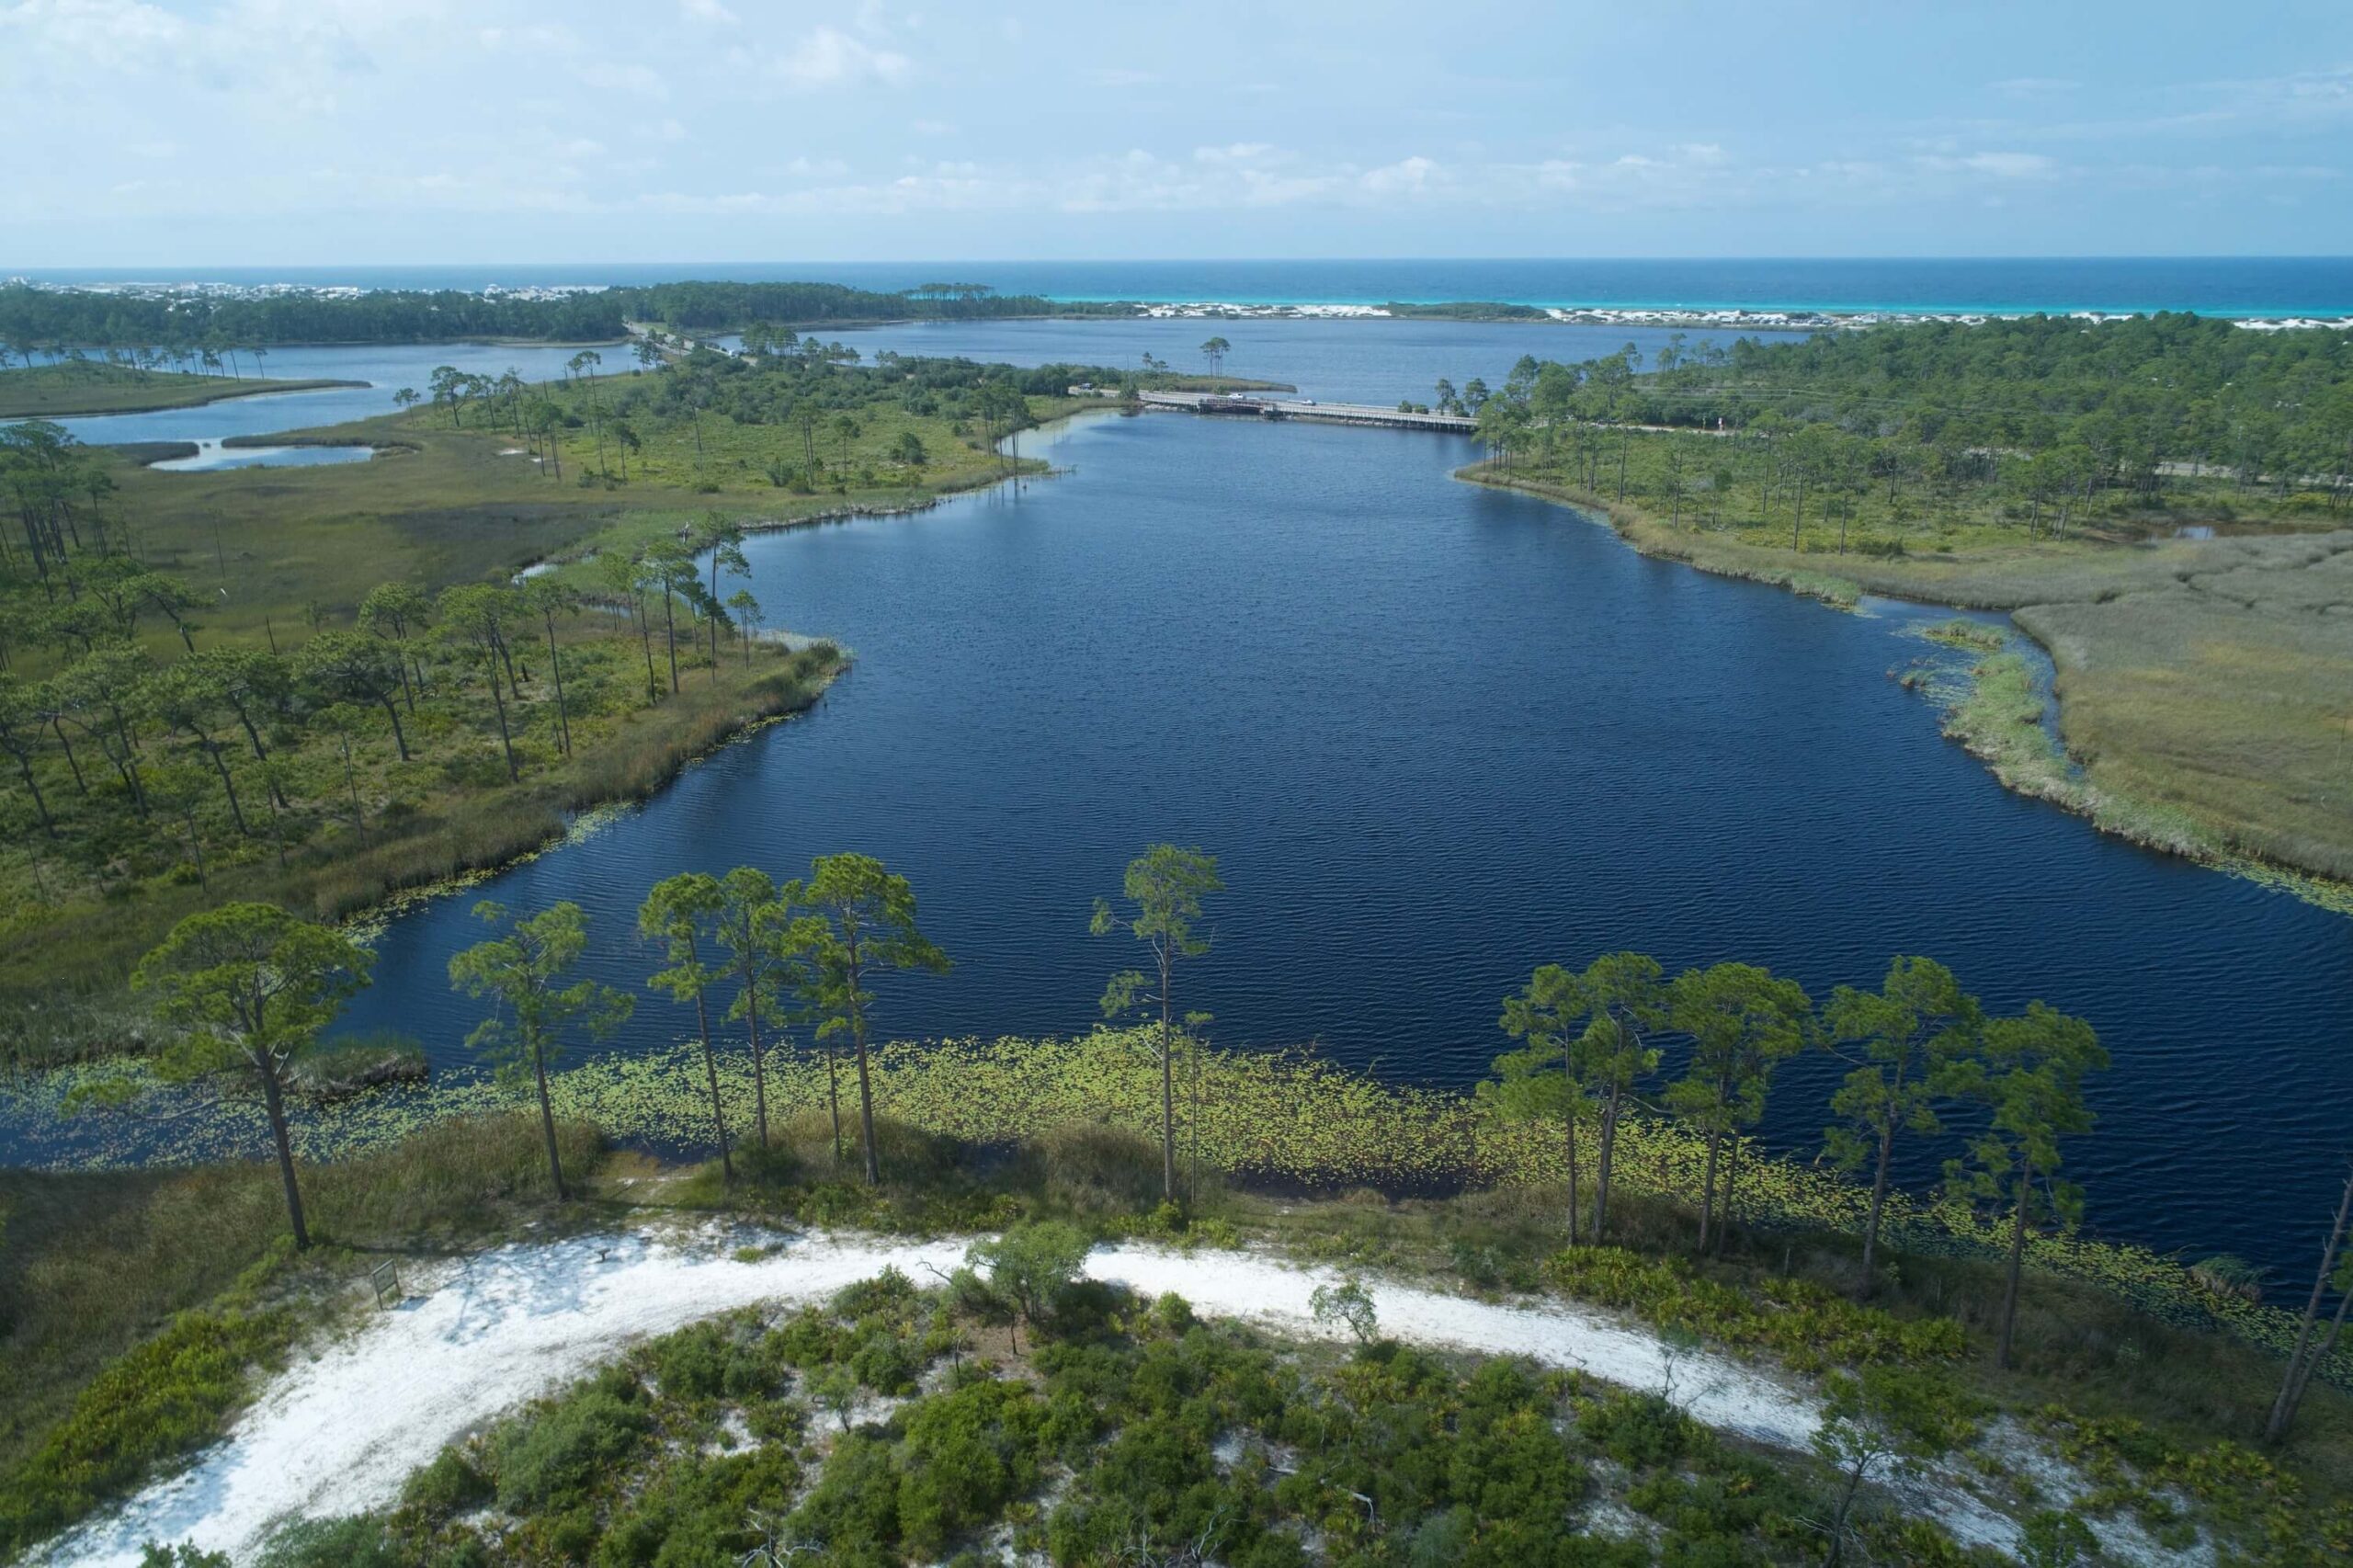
<point x="319" y="685"/>
<point x="2165" y="505"/>
<point x="72" y="387"/>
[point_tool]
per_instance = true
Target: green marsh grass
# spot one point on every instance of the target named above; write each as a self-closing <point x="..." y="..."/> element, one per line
<point x="2203" y="683"/>
<point x="1285" y="1120"/>
<point x="62" y="391"/>
<point x="134" y="1305"/>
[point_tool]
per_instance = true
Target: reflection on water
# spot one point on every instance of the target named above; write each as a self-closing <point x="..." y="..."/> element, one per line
<point x="213" y="454"/>
<point x="1440" y="735"/>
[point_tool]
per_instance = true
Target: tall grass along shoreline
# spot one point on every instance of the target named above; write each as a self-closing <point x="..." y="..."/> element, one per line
<point x="1999" y="716"/>
<point x="1287" y="1119"/>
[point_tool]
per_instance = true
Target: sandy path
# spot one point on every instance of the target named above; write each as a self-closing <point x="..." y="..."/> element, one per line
<point x="339" y="1433"/>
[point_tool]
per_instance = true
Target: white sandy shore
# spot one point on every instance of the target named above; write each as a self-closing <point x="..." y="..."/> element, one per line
<point x="340" y="1431"/>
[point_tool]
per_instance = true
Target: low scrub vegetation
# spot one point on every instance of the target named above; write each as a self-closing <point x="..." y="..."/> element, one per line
<point x="135" y="1307"/>
<point x="898" y="1424"/>
<point x="2176" y="561"/>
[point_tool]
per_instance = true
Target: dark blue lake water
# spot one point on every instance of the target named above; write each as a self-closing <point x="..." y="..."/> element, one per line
<point x="1438" y="734"/>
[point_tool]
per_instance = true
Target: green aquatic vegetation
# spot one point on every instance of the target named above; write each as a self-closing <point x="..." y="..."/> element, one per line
<point x="1283" y="1116"/>
<point x="1961" y="633"/>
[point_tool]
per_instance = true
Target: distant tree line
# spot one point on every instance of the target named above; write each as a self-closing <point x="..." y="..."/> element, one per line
<point x="2049" y="413"/>
<point x="47" y="323"/>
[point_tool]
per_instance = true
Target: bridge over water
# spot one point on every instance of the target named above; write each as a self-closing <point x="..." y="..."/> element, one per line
<point x="1251" y="406"/>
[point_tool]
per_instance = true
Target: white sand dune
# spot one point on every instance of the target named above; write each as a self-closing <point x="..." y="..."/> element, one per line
<point x="338" y="1431"/>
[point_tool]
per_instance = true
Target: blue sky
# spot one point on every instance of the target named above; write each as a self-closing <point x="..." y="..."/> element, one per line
<point x="318" y="131"/>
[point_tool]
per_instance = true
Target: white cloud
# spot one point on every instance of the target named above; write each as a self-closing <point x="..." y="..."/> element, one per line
<point x="2010" y="165"/>
<point x="710" y="11"/>
<point x="1996" y="166"/>
<point x="2033" y="86"/>
<point x="114" y="34"/>
<point x="2300" y="99"/>
<point x="831" y="58"/>
<point x="1233" y="153"/>
<point x="639" y="81"/>
<point x="1407" y="175"/>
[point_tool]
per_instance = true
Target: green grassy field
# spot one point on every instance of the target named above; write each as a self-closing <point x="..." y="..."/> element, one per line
<point x="2205" y="685"/>
<point x="74" y="387"/>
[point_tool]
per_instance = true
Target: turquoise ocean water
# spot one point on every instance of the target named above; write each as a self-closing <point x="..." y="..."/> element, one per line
<point x="2243" y="286"/>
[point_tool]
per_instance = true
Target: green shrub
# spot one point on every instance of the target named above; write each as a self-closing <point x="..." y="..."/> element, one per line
<point x="810" y="1339"/>
<point x="449" y="1485"/>
<point x="160" y="1400"/>
<point x="888" y="1291"/>
<point x="1809" y="1327"/>
<point x="854" y="1507"/>
<point x="555" y="1458"/>
<point x="697" y="1510"/>
<point x="187" y="1555"/>
<point x="967" y="1454"/>
<point x="358" y="1541"/>
<point x="886" y="1363"/>
<point x="725" y="1359"/>
<point x="1641" y="1431"/>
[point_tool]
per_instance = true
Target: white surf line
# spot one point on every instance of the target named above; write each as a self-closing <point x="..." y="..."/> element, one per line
<point x="340" y="1432"/>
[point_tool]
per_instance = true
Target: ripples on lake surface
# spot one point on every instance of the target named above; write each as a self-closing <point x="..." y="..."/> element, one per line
<point x="1438" y="734"/>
